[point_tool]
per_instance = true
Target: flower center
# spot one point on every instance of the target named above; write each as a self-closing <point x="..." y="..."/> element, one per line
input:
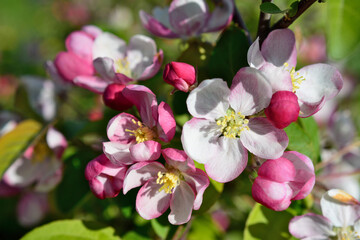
<point x="142" y="133"/>
<point x="122" y="66"/>
<point x="41" y="151"/>
<point x="232" y="124"/>
<point x="296" y="79"/>
<point x="169" y="180"/>
<point x="346" y="234"/>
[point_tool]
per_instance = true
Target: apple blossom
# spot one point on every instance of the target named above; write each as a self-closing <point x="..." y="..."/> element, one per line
<point x="221" y="130"/>
<point x="178" y="184"/>
<point x="313" y="84"/>
<point x="132" y="140"/>
<point x="340" y="219"/>
<point x="180" y="75"/>
<point x="114" y="98"/>
<point x="281" y="180"/>
<point x="105" y="178"/>
<point x="187" y="18"/>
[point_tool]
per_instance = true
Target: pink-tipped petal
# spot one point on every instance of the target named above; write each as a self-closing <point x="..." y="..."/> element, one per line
<point x="321" y="81"/>
<point x="279" y="48"/>
<point x="181" y="204"/>
<point x="263" y="139"/>
<point x="311" y="226"/>
<point x="92" y="30"/>
<point x="145" y="101"/>
<point x="220" y="17"/>
<point x="250" y="92"/>
<point x="56" y="142"/>
<point x="92" y="83"/>
<point x="69" y="66"/>
<point x="178" y="159"/>
<point x="278" y="170"/>
<point x="118" y="153"/>
<point x="210" y="100"/>
<point x="119" y="126"/>
<point x="141" y="172"/>
<point x="152" y="69"/>
<point x="273" y="195"/>
<point x="145" y="151"/>
<point x="199" y="139"/>
<point x="31" y="209"/>
<point x="199" y="181"/>
<point x="166" y="122"/>
<point x="228" y="162"/>
<point x="150" y="202"/>
<point x="155" y="27"/>
<point x="81" y="44"/>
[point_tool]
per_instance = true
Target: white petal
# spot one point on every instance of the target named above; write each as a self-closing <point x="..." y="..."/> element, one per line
<point x="254" y="56"/>
<point x="181" y="204"/>
<point x="118" y="153"/>
<point x="109" y="45"/>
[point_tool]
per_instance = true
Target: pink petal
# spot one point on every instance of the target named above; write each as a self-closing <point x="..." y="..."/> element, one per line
<point x="92" y="83"/>
<point x="311" y="226"/>
<point x="228" y="162"/>
<point x="118" y="126"/>
<point x="181" y="204"/>
<point x="145" y="151"/>
<point x="52" y="170"/>
<point x="199" y="139"/>
<point x="8" y="191"/>
<point x="199" y="181"/>
<point x="273" y="195"/>
<point x="69" y="66"/>
<point x="308" y="109"/>
<point x="249" y="92"/>
<point x="118" y="153"/>
<point x="150" y="202"/>
<point x="220" y="17"/>
<point x="31" y="209"/>
<point x="141" y="172"/>
<point x="279" y="47"/>
<point x="155" y="27"/>
<point x="178" y="159"/>
<point x="209" y="100"/>
<point x="114" y="98"/>
<point x="263" y="139"/>
<point x="145" y="101"/>
<point x="92" y="30"/>
<point x="81" y="44"/>
<point x="278" y="170"/>
<point x="152" y="69"/>
<point x="166" y="122"/>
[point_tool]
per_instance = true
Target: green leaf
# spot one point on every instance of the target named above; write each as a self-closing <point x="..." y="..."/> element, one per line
<point x="271" y="8"/>
<point x="14" y="143"/>
<point x="293" y="9"/>
<point x="342" y="30"/>
<point x="71" y="230"/>
<point x="211" y="194"/>
<point x="134" y="236"/>
<point x="266" y="224"/>
<point x="161" y="228"/>
<point x="229" y="55"/>
<point x="304" y="138"/>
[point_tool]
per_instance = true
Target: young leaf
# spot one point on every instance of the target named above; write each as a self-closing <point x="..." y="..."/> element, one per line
<point x="293" y="9"/>
<point x="71" y="230"/>
<point x="271" y="8"/>
<point x="266" y="224"/>
<point x="14" y="143"/>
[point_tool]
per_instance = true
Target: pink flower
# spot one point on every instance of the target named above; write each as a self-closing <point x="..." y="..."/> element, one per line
<point x="114" y="98"/>
<point x="221" y="131"/>
<point x="281" y="180"/>
<point x="187" y="18"/>
<point x="132" y="140"/>
<point x="32" y="208"/>
<point x="105" y="178"/>
<point x="283" y="109"/>
<point x="340" y="219"/>
<point x="180" y="75"/>
<point x="179" y="185"/>
<point x="313" y="84"/>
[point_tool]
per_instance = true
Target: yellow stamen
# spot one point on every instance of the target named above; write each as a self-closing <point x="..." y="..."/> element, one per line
<point x="232" y="124"/>
<point x="296" y="79"/>
<point x="123" y="66"/>
<point x="41" y="152"/>
<point x="169" y="179"/>
<point x="142" y="133"/>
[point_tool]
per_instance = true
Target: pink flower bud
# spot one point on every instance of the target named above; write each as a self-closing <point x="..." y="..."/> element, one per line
<point x="181" y="75"/>
<point x="114" y="98"/>
<point x="290" y="177"/>
<point x="283" y="109"/>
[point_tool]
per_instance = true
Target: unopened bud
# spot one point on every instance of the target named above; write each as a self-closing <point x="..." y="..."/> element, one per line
<point x="113" y="97"/>
<point x="283" y="109"/>
<point x="180" y="75"/>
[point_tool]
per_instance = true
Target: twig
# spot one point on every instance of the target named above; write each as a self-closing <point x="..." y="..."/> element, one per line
<point x="240" y="22"/>
<point x="286" y="21"/>
<point x="338" y="175"/>
<point x="264" y="21"/>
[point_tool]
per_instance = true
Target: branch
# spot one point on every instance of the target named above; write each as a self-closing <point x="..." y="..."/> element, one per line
<point x="240" y="22"/>
<point x="264" y="21"/>
<point x="286" y="21"/>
